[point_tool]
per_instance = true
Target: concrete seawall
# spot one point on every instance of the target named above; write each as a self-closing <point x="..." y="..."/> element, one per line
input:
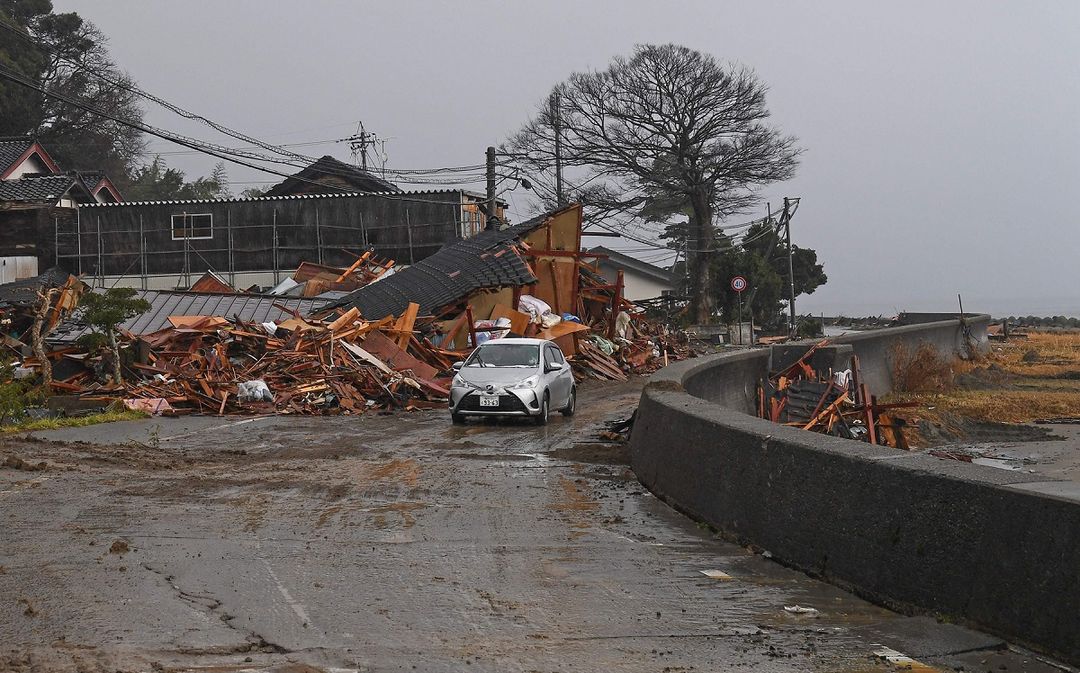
<point x="994" y="548"/>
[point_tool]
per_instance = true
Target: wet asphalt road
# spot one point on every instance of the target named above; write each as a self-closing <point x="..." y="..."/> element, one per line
<point x="396" y="543"/>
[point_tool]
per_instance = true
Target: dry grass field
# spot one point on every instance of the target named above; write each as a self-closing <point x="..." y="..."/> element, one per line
<point x="1018" y="381"/>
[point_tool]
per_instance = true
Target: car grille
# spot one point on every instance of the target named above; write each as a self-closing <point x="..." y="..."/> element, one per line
<point x="506" y="403"/>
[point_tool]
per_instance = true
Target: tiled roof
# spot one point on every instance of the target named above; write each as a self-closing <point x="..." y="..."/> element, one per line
<point x="38" y="188"/>
<point x="24" y="292"/>
<point x="487" y="260"/>
<point x="91" y="178"/>
<point x="11" y="149"/>
<point x="328" y="167"/>
<point x="165" y="303"/>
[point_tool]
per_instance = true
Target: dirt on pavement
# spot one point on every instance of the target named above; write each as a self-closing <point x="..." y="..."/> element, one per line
<point x="401" y="542"/>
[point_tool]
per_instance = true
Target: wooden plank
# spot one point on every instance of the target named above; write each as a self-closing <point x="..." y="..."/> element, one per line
<point x="518" y="320"/>
<point x="346" y="318"/>
<point x="382" y="347"/>
<point x="828" y="411"/>
<point x="352" y="267"/>
<point x="405" y="324"/>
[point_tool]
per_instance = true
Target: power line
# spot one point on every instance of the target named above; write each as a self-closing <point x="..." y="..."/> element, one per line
<point x="190" y="143"/>
<point x="240" y="152"/>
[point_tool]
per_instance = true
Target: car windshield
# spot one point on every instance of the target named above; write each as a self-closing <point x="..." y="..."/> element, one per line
<point x="505" y="355"/>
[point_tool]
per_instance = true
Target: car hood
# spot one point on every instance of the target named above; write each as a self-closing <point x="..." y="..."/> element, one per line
<point x="481" y="377"/>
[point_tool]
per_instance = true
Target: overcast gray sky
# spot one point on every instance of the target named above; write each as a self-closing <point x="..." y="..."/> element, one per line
<point x="942" y="139"/>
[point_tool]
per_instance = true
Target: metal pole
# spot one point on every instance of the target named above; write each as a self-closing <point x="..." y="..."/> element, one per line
<point x="408" y="228"/>
<point x="556" y="124"/>
<point x="232" y="259"/>
<point x="790" y="267"/>
<point x="100" y="271"/>
<point x="739" y="322"/>
<point x="142" y="252"/>
<point x="491" y="223"/>
<point x="318" y="237"/>
<point x="78" y="238"/>
<point x="275" y="244"/>
<point x="363" y="231"/>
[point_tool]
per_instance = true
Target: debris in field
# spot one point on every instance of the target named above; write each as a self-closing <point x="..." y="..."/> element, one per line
<point x="371" y="337"/>
<point x="811" y="395"/>
<point x="154" y="406"/>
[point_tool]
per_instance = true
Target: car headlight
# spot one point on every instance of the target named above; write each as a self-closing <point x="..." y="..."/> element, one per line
<point x="527" y="383"/>
<point x="459" y="382"/>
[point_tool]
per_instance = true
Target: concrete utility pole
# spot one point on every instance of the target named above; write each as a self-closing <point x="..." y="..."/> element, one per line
<point x="359" y="142"/>
<point x="556" y="125"/>
<point x="492" y="222"/>
<point x="786" y="218"/>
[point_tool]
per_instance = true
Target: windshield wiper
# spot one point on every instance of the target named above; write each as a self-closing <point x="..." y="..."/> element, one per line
<point x="479" y="360"/>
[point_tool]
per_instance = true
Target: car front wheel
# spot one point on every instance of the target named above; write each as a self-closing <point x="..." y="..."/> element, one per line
<point x="545" y="410"/>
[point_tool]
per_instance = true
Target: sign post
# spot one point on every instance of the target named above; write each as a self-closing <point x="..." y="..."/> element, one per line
<point x="738" y="283"/>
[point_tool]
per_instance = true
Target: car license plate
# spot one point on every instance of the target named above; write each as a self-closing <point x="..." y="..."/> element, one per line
<point x="489" y="400"/>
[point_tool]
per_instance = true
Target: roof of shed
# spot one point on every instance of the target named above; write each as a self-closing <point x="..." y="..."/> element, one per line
<point x="399" y="195"/>
<point x="164" y="303"/>
<point x="485" y="261"/>
<point x="622" y="260"/>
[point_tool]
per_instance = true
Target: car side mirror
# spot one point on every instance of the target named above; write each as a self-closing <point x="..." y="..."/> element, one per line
<point x="457" y="365"/>
<point x="552" y="367"/>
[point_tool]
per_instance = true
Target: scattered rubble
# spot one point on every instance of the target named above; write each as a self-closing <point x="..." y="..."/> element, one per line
<point x="813" y="396"/>
<point x="371" y="336"/>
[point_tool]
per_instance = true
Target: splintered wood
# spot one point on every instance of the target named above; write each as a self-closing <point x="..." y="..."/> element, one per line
<point x="835" y="403"/>
<point x="314" y="368"/>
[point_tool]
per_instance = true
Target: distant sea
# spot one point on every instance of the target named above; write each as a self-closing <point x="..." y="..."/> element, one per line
<point x="999" y="308"/>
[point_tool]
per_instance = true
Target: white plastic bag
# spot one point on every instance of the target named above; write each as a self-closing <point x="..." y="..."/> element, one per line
<point x="254" y="391"/>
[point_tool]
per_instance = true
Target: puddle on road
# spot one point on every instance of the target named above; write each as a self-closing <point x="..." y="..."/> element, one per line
<point x="598" y="453"/>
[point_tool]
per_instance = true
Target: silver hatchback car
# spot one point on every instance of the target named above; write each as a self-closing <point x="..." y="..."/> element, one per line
<point x="513" y="377"/>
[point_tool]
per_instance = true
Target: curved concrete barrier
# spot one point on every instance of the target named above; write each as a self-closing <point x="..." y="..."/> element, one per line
<point x="995" y="548"/>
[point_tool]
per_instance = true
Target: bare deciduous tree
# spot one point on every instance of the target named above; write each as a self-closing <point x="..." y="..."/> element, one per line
<point x="668" y="125"/>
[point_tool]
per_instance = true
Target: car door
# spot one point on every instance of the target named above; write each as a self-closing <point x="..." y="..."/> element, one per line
<point x="561" y="380"/>
<point x="567" y="373"/>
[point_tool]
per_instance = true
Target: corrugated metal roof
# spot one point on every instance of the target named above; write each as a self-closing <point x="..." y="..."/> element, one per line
<point x="165" y="303"/>
<point x="397" y="195"/>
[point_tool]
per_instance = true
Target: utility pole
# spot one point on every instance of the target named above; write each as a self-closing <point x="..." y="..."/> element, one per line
<point x="786" y="219"/>
<point x="556" y="125"/>
<point x="492" y="221"/>
<point x="359" y="142"/>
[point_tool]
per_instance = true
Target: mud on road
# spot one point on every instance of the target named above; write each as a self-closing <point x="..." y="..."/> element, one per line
<point x="402" y="543"/>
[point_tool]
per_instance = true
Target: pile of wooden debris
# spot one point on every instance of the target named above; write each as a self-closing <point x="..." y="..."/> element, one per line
<point x="811" y="395"/>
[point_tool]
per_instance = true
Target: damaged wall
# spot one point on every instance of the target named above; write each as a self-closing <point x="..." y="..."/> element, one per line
<point x="974" y="543"/>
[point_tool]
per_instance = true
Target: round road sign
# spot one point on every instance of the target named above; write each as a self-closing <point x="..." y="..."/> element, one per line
<point x="738" y="283"/>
